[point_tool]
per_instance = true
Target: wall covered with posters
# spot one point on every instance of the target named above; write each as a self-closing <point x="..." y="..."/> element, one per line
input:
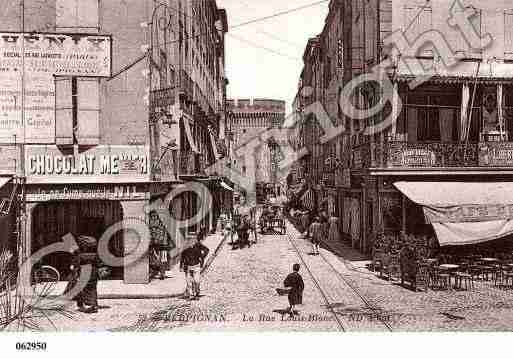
<point x="45" y="57"/>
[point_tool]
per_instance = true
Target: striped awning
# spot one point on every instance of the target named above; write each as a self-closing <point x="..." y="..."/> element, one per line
<point x="214" y="145"/>
<point x="190" y="138"/>
<point x="308" y="200"/>
<point x="464" y="213"/>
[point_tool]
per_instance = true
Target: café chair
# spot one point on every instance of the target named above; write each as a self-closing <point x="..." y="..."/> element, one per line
<point x="464" y="278"/>
<point x="507" y="278"/>
<point x="441" y="279"/>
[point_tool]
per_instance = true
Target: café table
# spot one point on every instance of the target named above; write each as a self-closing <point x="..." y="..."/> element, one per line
<point x="449" y="268"/>
<point x="489" y="260"/>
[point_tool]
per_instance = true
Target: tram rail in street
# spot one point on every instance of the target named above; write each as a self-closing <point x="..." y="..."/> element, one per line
<point x="318" y="285"/>
<point x="355" y="289"/>
<point x="343" y="279"/>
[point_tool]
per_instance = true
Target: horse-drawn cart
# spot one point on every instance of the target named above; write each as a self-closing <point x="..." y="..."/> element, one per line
<point x="272" y="217"/>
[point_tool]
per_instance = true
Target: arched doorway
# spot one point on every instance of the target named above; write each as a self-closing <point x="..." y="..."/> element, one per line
<point x="52" y="220"/>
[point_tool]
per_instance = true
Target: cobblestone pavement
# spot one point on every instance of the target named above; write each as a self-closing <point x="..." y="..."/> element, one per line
<point x="486" y="308"/>
<point x="239" y="293"/>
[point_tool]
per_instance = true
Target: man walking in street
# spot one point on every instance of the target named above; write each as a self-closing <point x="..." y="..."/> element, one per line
<point x="191" y="262"/>
<point x="305" y="222"/>
<point x="316" y="233"/>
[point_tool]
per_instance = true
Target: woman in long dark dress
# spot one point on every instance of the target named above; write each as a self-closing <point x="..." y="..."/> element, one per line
<point x="89" y="295"/>
<point x="87" y="299"/>
<point x="294" y="282"/>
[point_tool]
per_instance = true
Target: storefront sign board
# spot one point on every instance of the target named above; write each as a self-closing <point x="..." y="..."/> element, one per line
<point x="101" y="164"/>
<point x="86" y="192"/>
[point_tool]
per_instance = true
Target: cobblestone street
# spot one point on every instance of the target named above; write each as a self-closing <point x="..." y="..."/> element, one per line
<point x="239" y="292"/>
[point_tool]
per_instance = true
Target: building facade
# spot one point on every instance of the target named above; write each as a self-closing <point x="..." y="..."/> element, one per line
<point x="248" y="119"/>
<point x="122" y="105"/>
<point x="445" y="125"/>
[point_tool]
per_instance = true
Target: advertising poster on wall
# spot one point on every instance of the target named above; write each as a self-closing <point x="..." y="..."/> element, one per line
<point x="101" y="164"/>
<point x="45" y="56"/>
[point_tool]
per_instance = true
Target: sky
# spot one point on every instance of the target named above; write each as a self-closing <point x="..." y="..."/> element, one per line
<point x="264" y="59"/>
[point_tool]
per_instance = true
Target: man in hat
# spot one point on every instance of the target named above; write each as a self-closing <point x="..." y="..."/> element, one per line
<point x="192" y="262"/>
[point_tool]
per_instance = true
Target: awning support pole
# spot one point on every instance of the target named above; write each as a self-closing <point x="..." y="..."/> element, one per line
<point x="403" y="206"/>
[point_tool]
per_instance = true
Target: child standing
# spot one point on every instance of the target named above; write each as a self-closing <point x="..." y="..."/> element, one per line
<point x="295" y="283"/>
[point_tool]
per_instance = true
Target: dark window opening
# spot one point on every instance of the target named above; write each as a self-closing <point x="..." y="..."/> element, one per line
<point x="74" y="111"/>
<point x="428" y="124"/>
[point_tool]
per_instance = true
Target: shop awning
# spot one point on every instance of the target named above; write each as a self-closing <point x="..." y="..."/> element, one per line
<point x="462" y="212"/>
<point x="226" y="187"/>
<point x="190" y="138"/>
<point x="4" y="181"/>
<point x="213" y="143"/>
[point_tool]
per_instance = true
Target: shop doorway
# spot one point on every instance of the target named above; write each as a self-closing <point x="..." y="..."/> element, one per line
<point x="53" y="220"/>
<point x="92" y="226"/>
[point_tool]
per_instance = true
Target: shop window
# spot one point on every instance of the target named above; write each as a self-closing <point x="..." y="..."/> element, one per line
<point x="392" y="212"/>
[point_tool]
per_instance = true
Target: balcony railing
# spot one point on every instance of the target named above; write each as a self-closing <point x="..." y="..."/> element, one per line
<point x="398" y="154"/>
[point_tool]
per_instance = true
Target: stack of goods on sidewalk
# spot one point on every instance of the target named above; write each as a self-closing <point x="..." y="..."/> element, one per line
<point x="400" y="256"/>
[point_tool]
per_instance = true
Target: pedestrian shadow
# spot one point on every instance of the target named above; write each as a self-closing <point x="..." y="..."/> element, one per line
<point x="285" y="311"/>
<point x="271" y="232"/>
<point x="184" y="297"/>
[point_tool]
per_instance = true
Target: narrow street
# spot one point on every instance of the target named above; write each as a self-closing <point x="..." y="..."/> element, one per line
<point x="239" y="293"/>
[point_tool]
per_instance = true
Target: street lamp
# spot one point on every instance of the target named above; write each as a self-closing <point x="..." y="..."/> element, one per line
<point x="160" y="20"/>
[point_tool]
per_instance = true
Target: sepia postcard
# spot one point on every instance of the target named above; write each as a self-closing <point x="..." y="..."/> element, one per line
<point x="255" y="166"/>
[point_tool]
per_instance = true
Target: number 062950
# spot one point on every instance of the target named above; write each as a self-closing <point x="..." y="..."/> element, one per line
<point x="31" y="346"/>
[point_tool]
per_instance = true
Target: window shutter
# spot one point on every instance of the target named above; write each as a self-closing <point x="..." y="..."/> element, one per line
<point x="88" y="112"/>
<point x="478" y="26"/>
<point x="508" y="35"/>
<point x="454" y="37"/>
<point x="82" y="14"/>
<point x="66" y="13"/>
<point x="63" y="111"/>
<point x="88" y="13"/>
<point x="418" y="20"/>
